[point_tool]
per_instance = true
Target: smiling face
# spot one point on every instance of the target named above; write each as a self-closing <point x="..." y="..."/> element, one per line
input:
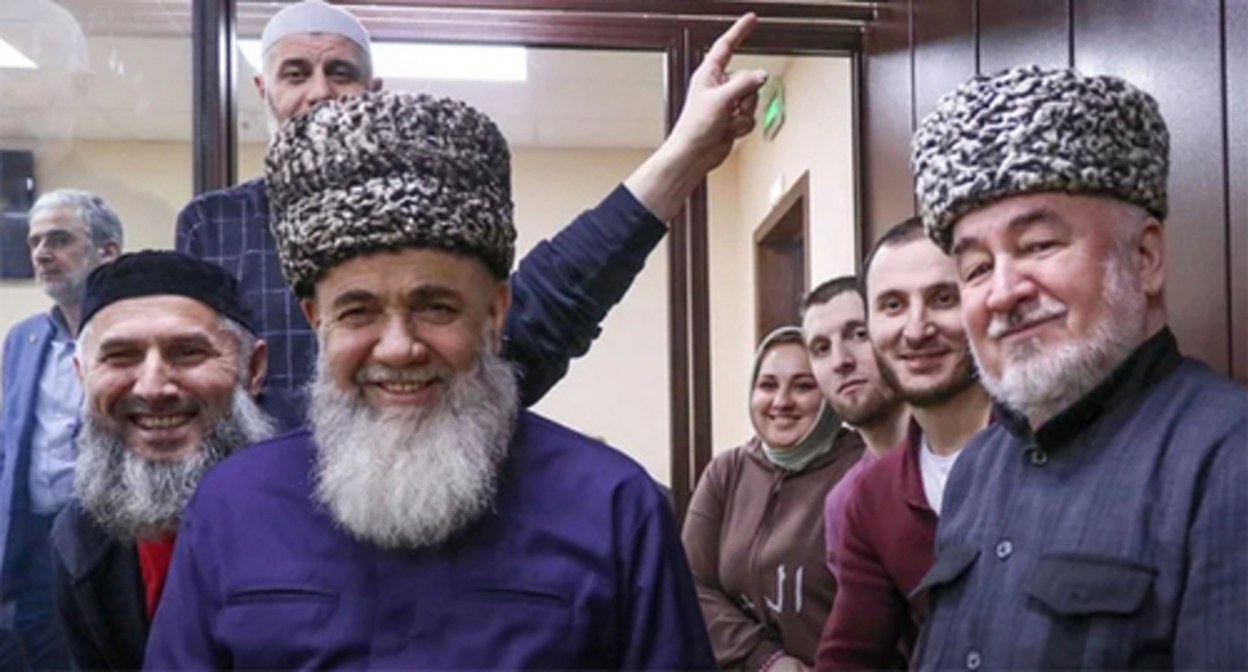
<point x="785" y="400"/>
<point x="1056" y="291"/>
<point x="843" y="361"/>
<point x="915" y="322"/>
<point x="160" y="371"/>
<point x="398" y="327"/>
<point x="302" y="70"/>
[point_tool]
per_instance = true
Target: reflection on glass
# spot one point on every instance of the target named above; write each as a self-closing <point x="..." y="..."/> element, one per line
<point x="103" y="105"/>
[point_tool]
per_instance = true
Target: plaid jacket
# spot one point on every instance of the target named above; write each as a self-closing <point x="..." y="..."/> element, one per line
<point x="561" y="291"/>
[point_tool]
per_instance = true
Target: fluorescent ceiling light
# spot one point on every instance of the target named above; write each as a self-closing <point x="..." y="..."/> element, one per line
<point x="405" y="60"/>
<point x="10" y="57"/>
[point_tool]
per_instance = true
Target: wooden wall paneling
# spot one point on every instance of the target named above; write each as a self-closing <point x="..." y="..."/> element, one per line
<point x="945" y="53"/>
<point x="1022" y="32"/>
<point x="1236" y="45"/>
<point x="1172" y="49"/>
<point x="886" y="189"/>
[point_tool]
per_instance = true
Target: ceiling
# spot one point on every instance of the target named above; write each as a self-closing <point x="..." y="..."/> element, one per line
<point x="121" y="70"/>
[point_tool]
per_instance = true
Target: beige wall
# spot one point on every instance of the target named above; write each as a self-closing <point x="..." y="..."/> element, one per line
<point x="817" y="138"/>
<point x="731" y="253"/>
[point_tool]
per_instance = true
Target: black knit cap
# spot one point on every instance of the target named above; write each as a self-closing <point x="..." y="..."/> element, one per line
<point x="160" y="273"/>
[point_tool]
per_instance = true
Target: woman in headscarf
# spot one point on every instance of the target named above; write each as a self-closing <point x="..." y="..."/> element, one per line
<point x="754" y="530"/>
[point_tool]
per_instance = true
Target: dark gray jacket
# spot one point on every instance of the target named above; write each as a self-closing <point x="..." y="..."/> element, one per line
<point x="99" y="594"/>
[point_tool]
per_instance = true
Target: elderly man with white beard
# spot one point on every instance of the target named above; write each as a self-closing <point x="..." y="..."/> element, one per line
<point x="422" y="520"/>
<point x="1102" y="522"/>
<point x="170" y="364"/>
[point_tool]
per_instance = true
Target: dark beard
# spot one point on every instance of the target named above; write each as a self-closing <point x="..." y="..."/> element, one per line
<point x="413" y="477"/>
<point x="878" y="407"/>
<point x="964" y="376"/>
<point x="133" y="498"/>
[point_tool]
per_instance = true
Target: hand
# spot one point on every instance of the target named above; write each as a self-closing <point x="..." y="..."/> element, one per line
<point x="720" y="105"/>
<point x="719" y="108"/>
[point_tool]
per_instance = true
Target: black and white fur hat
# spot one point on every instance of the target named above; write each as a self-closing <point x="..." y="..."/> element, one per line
<point x="385" y="171"/>
<point x="1029" y="130"/>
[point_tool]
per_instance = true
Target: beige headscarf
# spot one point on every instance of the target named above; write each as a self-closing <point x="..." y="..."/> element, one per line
<point x="818" y="439"/>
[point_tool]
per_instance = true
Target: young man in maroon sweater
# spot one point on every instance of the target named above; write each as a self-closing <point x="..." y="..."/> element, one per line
<point x="915" y="323"/>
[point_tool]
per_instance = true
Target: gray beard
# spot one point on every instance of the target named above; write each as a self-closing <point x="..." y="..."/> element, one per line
<point x="413" y="477"/>
<point x="134" y="498"/>
<point x="1040" y="382"/>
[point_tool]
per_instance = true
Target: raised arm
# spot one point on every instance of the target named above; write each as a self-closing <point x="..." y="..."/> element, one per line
<point x="564" y="288"/>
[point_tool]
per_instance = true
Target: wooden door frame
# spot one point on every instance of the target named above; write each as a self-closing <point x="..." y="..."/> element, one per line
<point x="797" y="195"/>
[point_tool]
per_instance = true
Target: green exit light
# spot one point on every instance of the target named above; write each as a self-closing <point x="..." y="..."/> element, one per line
<point x="774" y="110"/>
<point x="773" y="107"/>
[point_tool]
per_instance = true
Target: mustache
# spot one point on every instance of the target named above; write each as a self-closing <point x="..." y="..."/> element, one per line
<point x="382" y="373"/>
<point x="132" y="405"/>
<point x="1024" y="315"/>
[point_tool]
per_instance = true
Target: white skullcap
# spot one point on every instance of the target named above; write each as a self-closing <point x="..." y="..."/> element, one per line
<point x="314" y="16"/>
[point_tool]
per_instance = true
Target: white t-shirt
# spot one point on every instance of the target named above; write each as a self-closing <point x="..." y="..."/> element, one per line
<point x="935" y="470"/>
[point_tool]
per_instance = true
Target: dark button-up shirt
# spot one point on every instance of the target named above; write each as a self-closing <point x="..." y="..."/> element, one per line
<point x="1114" y="537"/>
<point x="579" y="567"/>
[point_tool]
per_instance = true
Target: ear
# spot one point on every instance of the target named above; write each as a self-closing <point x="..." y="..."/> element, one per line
<point x="258" y="367"/>
<point x="500" y="303"/>
<point x="110" y="251"/>
<point x="1150" y="257"/>
<point x="309" y="311"/>
<point x="82" y="376"/>
<point x="258" y="81"/>
<point x="375" y="85"/>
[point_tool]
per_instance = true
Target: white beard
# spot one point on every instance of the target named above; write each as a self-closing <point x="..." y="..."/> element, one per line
<point x="413" y="477"/>
<point x="1042" y="382"/>
<point x="134" y="498"/>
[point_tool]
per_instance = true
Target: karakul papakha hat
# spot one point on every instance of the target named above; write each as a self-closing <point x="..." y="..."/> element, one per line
<point x="383" y="171"/>
<point x="1029" y="130"/>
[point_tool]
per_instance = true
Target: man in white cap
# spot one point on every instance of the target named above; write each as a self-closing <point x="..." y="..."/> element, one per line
<point x="314" y="51"/>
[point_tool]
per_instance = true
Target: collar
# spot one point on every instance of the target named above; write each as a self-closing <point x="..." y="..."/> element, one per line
<point x="60" y="326"/>
<point x="911" y="477"/>
<point x="1149" y="363"/>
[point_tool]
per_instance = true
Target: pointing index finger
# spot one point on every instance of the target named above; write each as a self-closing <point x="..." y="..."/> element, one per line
<point x="721" y="52"/>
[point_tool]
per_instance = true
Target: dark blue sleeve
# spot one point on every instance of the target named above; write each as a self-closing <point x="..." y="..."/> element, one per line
<point x="564" y="288"/>
<point x="186" y="238"/>
<point x="665" y="628"/>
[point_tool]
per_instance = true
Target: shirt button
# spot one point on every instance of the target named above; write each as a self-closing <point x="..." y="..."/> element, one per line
<point x="973" y="660"/>
<point x="1005" y="549"/>
<point x="1039" y="458"/>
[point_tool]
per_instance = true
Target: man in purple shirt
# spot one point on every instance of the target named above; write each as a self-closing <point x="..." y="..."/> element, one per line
<point x="422" y="520"/>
